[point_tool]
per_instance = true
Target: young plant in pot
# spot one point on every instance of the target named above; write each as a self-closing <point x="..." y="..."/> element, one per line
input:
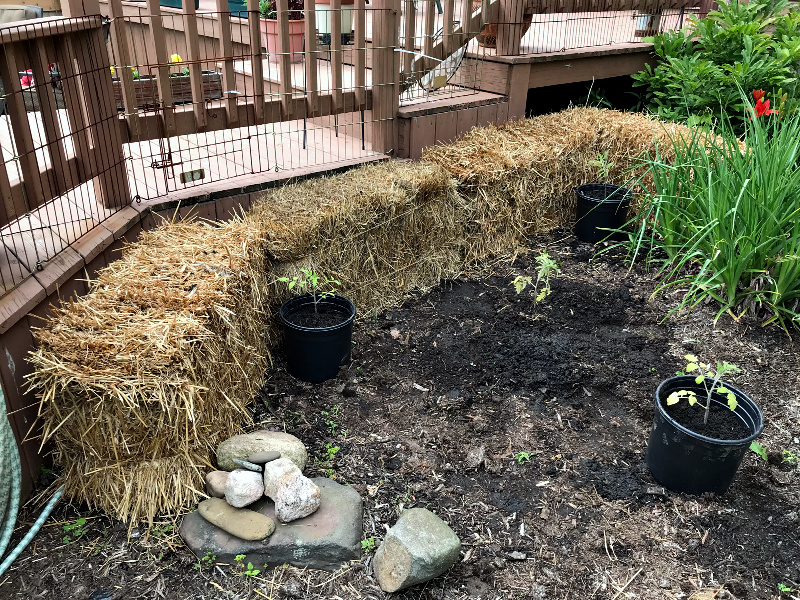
<point x="702" y="429"/>
<point x="318" y="327"/>
<point x="602" y="206"/>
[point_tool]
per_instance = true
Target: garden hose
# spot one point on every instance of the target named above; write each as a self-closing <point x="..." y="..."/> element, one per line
<point x="10" y="477"/>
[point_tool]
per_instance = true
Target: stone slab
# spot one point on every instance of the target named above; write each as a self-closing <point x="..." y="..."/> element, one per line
<point x="324" y="540"/>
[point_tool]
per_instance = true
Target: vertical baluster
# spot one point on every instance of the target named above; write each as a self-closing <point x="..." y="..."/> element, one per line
<point x="256" y="58"/>
<point x="359" y="25"/>
<point x="336" y="54"/>
<point x="195" y="68"/>
<point x="76" y="109"/>
<point x="11" y="63"/>
<point x="40" y="65"/>
<point x="284" y="58"/>
<point x="466" y="16"/>
<point x="447" y="30"/>
<point x="410" y="42"/>
<point x="122" y="55"/>
<point x="312" y="80"/>
<point x="228" y="74"/>
<point x="159" y="44"/>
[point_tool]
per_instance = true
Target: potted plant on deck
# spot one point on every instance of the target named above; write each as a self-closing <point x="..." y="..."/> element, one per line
<point x="269" y="29"/>
<point x="318" y="327"/>
<point x="602" y="207"/>
<point x="702" y="429"/>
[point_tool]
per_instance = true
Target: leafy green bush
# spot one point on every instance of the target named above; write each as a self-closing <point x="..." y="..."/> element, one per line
<point x="701" y="68"/>
<point x="726" y="217"/>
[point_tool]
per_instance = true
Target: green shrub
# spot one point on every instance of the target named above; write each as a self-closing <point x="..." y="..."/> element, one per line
<point x="726" y="219"/>
<point x="702" y="67"/>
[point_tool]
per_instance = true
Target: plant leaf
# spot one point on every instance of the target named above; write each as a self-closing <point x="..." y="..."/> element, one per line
<point x="673" y="398"/>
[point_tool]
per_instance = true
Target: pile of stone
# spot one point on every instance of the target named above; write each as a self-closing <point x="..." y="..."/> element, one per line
<point x="260" y="496"/>
<point x="261" y="505"/>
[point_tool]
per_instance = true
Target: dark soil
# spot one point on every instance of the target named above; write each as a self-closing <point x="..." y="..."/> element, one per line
<point x="522" y="424"/>
<point x="723" y="424"/>
<point x="319" y="319"/>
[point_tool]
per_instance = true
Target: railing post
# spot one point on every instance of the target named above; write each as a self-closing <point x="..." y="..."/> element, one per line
<point x="107" y="159"/>
<point x="509" y="27"/>
<point x="385" y="74"/>
<point x="80" y="8"/>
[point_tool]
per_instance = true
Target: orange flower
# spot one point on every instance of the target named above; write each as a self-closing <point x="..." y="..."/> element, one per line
<point x="758" y="95"/>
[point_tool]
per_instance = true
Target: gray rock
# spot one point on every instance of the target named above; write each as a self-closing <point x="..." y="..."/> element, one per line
<point x="236" y="523"/>
<point x="242" y="446"/>
<point x="475" y="457"/>
<point x="261" y="458"/>
<point x="294" y="494"/>
<point x="215" y="483"/>
<point x="243" y="488"/>
<point x="325" y="540"/>
<point x="418" y="548"/>
<point x="246" y="464"/>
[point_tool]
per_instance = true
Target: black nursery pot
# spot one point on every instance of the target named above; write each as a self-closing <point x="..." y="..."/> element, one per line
<point x="601" y="206"/>
<point x="685" y="461"/>
<point x="315" y="354"/>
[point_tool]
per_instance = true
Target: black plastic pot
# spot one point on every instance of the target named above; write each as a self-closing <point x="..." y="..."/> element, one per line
<point x="685" y="461"/>
<point x="601" y="206"/>
<point x="315" y="354"/>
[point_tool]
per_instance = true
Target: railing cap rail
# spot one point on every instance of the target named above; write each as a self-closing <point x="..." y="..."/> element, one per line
<point x="18" y="31"/>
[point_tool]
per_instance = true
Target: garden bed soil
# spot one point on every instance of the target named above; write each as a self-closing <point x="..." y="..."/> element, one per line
<point x="524" y="426"/>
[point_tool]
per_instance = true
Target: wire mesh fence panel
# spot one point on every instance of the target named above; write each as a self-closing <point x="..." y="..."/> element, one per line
<point x="249" y="95"/>
<point x="62" y="170"/>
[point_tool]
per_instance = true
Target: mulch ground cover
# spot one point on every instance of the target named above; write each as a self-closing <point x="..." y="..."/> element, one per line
<point x="522" y="424"/>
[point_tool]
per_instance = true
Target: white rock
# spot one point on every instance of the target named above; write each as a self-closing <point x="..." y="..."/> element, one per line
<point x="243" y="487"/>
<point x="295" y="495"/>
<point x="297" y="498"/>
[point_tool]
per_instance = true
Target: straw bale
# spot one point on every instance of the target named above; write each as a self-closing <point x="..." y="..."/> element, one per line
<point x="382" y="231"/>
<point x="155" y="365"/>
<point x="527" y="170"/>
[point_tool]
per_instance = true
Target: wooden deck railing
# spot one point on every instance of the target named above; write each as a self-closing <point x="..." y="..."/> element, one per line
<point x="60" y="66"/>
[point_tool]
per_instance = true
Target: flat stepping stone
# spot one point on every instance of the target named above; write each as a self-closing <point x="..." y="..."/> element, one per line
<point x="236" y="523"/>
<point x="324" y="540"/>
<point x="262" y="458"/>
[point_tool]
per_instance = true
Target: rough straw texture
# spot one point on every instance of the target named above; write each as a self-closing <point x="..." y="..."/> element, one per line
<point x="142" y="377"/>
<point x="145" y="375"/>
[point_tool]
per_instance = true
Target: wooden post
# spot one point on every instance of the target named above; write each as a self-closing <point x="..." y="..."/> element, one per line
<point x="12" y="61"/>
<point x="257" y="57"/>
<point x="122" y="56"/>
<point x="228" y="73"/>
<point x="509" y="27"/>
<point x="410" y="41"/>
<point x="336" y="54"/>
<point x="312" y="80"/>
<point x="42" y="54"/>
<point x="447" y="29"/>
<point x="107" y="162"/>
<point x="385" y="97"/>
<point x="284" y="58"/>
<point x="195" y="68"/>
<point x="360" y="26"/>
<point x="159" y="45"/>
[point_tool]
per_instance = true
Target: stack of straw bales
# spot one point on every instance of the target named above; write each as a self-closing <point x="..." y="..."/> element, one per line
<point x="141" y="378"/>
